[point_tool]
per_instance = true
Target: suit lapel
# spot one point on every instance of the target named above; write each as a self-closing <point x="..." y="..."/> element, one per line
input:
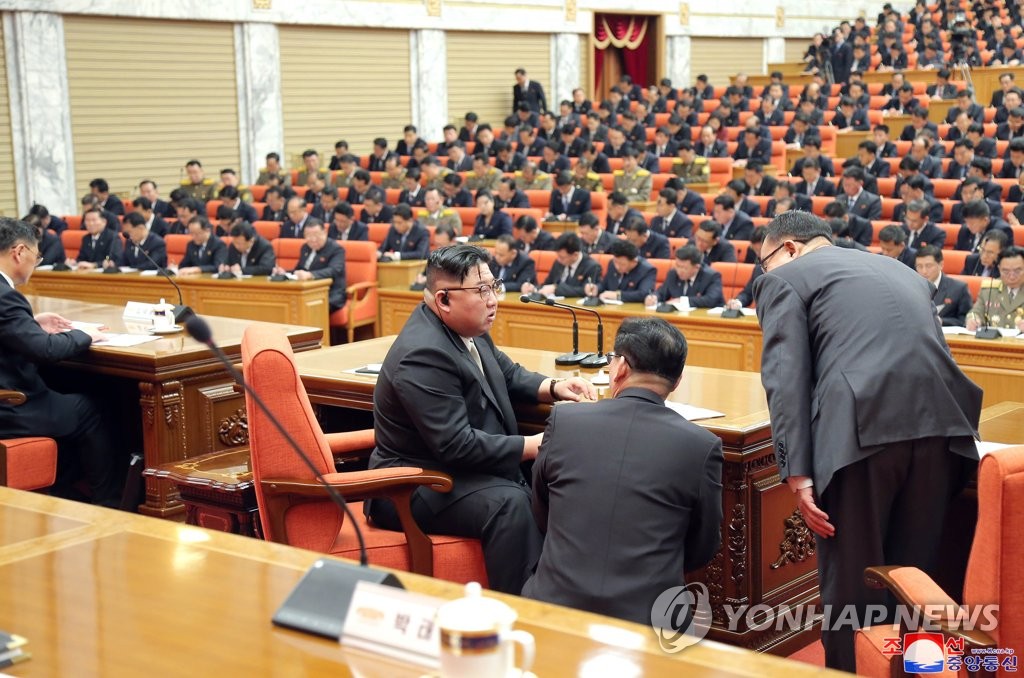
<point x="492" y="374"/>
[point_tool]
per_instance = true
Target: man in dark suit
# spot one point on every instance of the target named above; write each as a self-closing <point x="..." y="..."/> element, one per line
<point x="593" y="238"/>
<point x="984" y="262"/>
<point x="249" y="252"/>
<point x="709" y="146"/>
<point x="101" y="246"/>
<point x="375" y="208"/>
<point x="952" y="298"/>
<point x="979" y="222"/>
<point x="530" y="236"/>
<point x="321" y="258"/>
<point x="858" y="393"/>
<point x="813" y="184"/>
<point x="858" y="201"/>
<point x="444" y="402"/>
<point x="964" y="104"/>
<point x="26" y="342"/>
<point x="107" y="201"/>
<point x="758" y="182"/>
<point x="529" y="92"/>
<point x="511" y="266"/>
<point x="670" y="222"/>
<point x="142" y="242"/>
<point x="148" y="190"/>
<point x="206" y="252"/>
<point x="708" y="239"/>
<point x="275" y="208"/>
<point x="919" y="229"/>
<point x="892" y="240"/>
<point x="650" y="244"/>
<point x="490" y="222"/>
<point x="229" y="196"/>
<point x="734" y="224"/>
<point x="454" y="194"/>
<point x="963" y="154"/>
<point x="754" y="147"/>
<point x="690" y="278"/>
<point x="406" y="239"/>
<point x="295" y="218"/>
<point x="567" y="202"/>
<point x="51" y="249"/>
<point x="617" y="559"/>
<point x="572" y="270"/>
<point x="619" y="212"/>
<point x="849" y="117"/>
<point x="630" y="277"/>
<point x="344" y="226"/>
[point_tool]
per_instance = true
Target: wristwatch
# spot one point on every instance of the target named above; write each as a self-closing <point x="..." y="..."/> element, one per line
<point x="551" y="388"/>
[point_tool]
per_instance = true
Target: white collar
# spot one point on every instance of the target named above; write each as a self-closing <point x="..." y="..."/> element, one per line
<point x="8" y="279"/>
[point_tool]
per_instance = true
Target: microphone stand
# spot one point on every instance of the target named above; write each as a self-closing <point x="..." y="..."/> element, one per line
<point x="592" y="360"/>
<point x="574" y="358"/>
<point x="181" y="311"/>
<point x="986" y="332"/>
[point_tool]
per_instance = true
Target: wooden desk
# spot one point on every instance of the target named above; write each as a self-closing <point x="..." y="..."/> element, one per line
<point x="937" y="111"/>
<point x="104" y="593"/>
<point x="296" y="302"/>
<point x="175" y="398"/>
<point x="996" y="365"/>
<point x="1003" y="423"/>
<point x="896" y="124"/>
<point x="986" y="80"/>
<point x="847" y="142"/>
<point x="704" y="186"/>
<point x="399" y="273"/>
<point x="556" y="228"/>
<point x="925" y="76"/>
<point x="765" y="557"/>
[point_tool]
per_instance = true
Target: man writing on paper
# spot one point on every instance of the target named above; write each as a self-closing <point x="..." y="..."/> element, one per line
<point x="627" y="492"/>
<point x="26" y="341"/>
<point x="443" y="401"/>
<point x="873" y="422"/>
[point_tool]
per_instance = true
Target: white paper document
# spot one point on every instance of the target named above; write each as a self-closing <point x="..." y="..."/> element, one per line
<point x="947" y="330"/>
<point x="985" y="447"/>
<point x="126" y="340"/>
<point x="691" y="412"/>
<point x="609" y="302"/>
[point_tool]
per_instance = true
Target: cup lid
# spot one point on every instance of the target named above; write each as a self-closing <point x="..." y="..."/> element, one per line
<point x="474" y="612"/>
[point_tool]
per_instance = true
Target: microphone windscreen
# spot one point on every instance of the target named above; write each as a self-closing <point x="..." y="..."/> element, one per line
<point x="199" y="330"/>
<point x="525" y="298"/>
<point x="549" y="302"/>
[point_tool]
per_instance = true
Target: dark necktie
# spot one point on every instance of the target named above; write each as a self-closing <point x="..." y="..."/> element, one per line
<point x="686" y="288"/>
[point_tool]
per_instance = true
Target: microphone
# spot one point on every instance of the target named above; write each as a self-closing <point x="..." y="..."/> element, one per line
<point x="181" y="311"/>
<point x="592" y="360"/>
<point x="574" y="358"/>
<point x="986" y="332"/>
<point x="733" y="312"/>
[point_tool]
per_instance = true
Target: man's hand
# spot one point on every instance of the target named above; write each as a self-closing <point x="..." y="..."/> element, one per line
<point x="86" y="266"/>
<point x="1020" y="324"/>
<point x="95" y="334"/>
<point x="972" y="324"/>
<point x="575" y="389"/>
<point x="548" y="290"/>
<point x="531" y="445"/>
<point x="236" y="269"/>
<point x="527" y="288"/>
<point x="303" y="275"/>
<point x="734" y="304"/>
<point x="609" y="295"/>
<point x="53" y="323"/>
<point x="815" y="518"/>
<point x="190" y="270"/>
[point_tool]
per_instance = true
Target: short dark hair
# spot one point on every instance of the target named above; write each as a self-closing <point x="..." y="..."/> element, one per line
<point x="892" y="233"/>
<point x="203" y="222"/>
<point x="726" y="201"/>
<point x="977" y="209"/>
<point x="135" y="219"/>
<point x="570" y="242"/>
<point x="652" y="346"/>
<point x="454" y="262"/>
<point x="344" y="208"/>
<point x="795" y="225"/>
<point x="244" y="229"/>
<point x="712" y="227"/>
<point x="689" y="253"/>
<point x="637" y="225"/>
<point x="309" y="153"/>
<point x="140" y="202"/>
<point x="191" y="204"/>
<point x="930" y="251"/>
<point x="15" y="231"/>
<point x="229" y="192"/>
<point x="623" y="248"/>
<point x="403" y="210"/>
<point x="100" y="185"/>
<point x="1009" y="253"/>
<point x="526" y="223"/>
<point x="225" y="212"/>
<point x="996" y="236"/>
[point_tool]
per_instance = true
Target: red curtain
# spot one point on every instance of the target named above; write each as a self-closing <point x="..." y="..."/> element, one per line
<point x="626" y="39"/>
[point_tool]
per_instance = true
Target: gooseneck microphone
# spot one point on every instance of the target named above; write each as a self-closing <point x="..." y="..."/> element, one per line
<point x="574" y="358"/>
<point x="181" y="311"/>
<point x="733" y="312"/>
<point x="199" y="330"/>
<point x="592" y="360"/>
<point x="986" y="332"/>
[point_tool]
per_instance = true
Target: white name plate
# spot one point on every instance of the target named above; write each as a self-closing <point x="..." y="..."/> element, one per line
<point x="138" y="312"/>
<point x="394" y="623"/>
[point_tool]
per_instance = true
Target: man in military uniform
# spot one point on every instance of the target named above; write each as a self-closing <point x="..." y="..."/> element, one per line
<point x="633" y="181"/>
<point x="229" y="178"/>
<point x="394" y="173"/>
<point x="1001" y="301"/>
<point x="483" y="177"/>
<point x="531" y="179"/>
<point x="311" y="160"/>
<point x="434" y="173"/>
<point x="343" y="177"/>
<point x="273" y="169"/>
<point x="690" y="168"/>
<point x="584" y="178"/>
<point x="197" y="185"/>
<point x="437" y="214"/>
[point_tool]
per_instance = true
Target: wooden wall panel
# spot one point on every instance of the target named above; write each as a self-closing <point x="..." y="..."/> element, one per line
<point x="721" y="58"/>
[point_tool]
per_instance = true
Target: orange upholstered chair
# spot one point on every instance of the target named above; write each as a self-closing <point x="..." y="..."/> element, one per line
<point x="26" y="463"/>
<point x="992" y="572"/>
<point x="295" y="509"/>
<point x="360" y="307"/>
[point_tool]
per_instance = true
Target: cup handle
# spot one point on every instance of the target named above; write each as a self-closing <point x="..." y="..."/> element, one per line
<point x="525" y="639"/>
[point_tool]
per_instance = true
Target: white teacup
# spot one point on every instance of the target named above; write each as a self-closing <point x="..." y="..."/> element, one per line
<point x="477" y="637"/>
<point x="163" y="316"/>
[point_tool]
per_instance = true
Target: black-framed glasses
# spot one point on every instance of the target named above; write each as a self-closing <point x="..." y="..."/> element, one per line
<point x="613" y="355"/>
<point x="763" y="261"/>
<point x="497" y="288"/>
<point x="37" y="254"/>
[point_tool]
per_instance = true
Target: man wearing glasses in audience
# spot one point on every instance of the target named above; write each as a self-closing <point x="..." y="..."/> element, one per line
<point x="1002" y="305"/>
<point x="444" y="402"/>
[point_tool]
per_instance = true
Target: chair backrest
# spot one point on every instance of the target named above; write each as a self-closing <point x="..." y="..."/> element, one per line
<point x="72" y="242"/>
<point x="74" y="221"/>
<point x="997" y="550"/>
<point x="377" y="232"/>
<point x="734" y="277"/>
<point x="268" y="229"/>
<point x="543" y="261"/>
<point x="360" y="261"/>
<point x="269" y="366"/>
<point x="177" y="244"/>
<point x="287" y="251"/>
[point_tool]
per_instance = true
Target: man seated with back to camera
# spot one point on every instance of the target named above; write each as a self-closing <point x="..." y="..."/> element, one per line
<point x="651" y="482"/>
<point x="444" y="402"/>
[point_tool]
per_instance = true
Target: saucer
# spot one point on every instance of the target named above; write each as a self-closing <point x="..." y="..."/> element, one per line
<point x="166" y="330"/>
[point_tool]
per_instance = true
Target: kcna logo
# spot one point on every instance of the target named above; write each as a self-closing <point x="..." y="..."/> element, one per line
<point x="681" y="616"/>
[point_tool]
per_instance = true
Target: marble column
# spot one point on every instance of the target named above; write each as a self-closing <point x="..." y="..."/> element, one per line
<point x="258" y="84"/>
<point x="428" y="82"/>
<point x="565" y="68"/>
<point x="774" y="51"/>
<point x="37" y="83"/>
<point x="677" y="57"/>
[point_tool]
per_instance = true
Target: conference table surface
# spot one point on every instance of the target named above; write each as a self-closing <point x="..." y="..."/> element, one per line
<point x="104" y="593"/>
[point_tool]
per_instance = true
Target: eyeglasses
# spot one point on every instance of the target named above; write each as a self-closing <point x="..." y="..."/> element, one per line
<point x="763" y="261"/>
<point x="37" y="254"/>
<point x="612" y="356"/>
<point x="497" y="288"/>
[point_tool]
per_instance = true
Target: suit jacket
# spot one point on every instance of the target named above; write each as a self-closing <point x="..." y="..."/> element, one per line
<point x="972" y="266"/>
<point x="385" y="216"/>
<point x="843" y="382"/>
<point x="522" y="270"/>
<point x="461" y="199"/>
<point x="723" y="251"/>
<point x="604" y="241"/>
<point x="107" y="246"/>
<point x="909" y="132"/>
<point x="412" y="200"/>
<point x="952" y="300"/>
<point x="691" y="202"/>
<point x="975" y="111"/>
<point x="930" y="234"/>
<point x="718" y="149"/>
<point x="704" y="292"/>
<point x="417" y="242"/>
<point x="766" y="187"/>
<point x="762" y="151"/>
<point x="679" y="226"/>
<point x="270" y="214"/>
<point x="669" y="528"/>
<point x="635" y="285"/>
<point x="153" y="245"/>
<point x="23" y="346"/>
<point x="544" y="242"/>
<point x="52" y="249"/>
<point x="259" y="261"/>
<point x="357" y="230"/>
<point x="437" y="410"/>
<point x="828" y="168"/>
<point x="465" y="165"/>
<point x="740" y="228"/>
<point x="164" y="209"/>
<point x="379" y="164"/>
<point x="868" y="206"/>
<point x="579" y="203"/>
<point x="207" y="257"/>
<point x="328" y="262"/>
<point x="533" y="96"/>
<point x="907" y="257"/>
<point x="587" y="270"/>
<point x="500" y="224"/>
<point x="615" y="228"/>
<point x="518" y="199"/>
<point x="748" y="207"/>
<point x="995" y="308"/>
<point x="656" y="247"/>
<point x="746" y="295"/>
<point x="858" y="120"/>
<point x="935" y="209"/>
<point x="965" y="239"/>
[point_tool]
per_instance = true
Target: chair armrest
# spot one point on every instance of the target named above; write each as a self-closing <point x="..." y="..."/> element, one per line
<point x="360" y="289"/>
<point x="351" y="442"/>
<point x="914" y="588"/>
<point x="12" y="397"/>
<point x="395" y="484"/>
